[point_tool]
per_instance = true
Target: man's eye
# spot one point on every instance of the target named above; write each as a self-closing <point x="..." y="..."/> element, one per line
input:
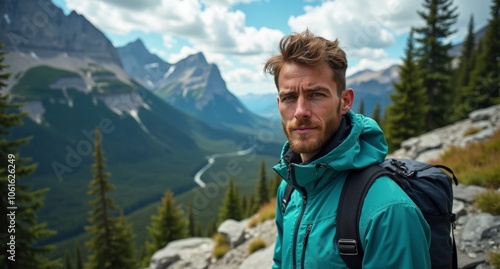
<point x="317" y="94"/>
<point x="287" y="98"/>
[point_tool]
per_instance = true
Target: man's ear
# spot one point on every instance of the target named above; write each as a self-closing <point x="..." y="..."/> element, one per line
<point x="346" y="100"/>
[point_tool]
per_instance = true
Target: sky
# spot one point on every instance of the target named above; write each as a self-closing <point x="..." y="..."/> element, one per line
<point x="240" y="35"/>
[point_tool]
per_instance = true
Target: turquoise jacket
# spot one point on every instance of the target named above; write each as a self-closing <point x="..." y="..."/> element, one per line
<point x="393" y="232"/>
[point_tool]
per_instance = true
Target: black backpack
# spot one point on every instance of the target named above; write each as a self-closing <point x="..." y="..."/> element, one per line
<point x="427" y="185"/>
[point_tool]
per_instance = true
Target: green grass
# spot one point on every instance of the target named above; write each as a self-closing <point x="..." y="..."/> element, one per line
<point x="266" y="212"/>
<point x="495" y="259"/>
<point x="111" y="86"/>
<point x="35" y="83"/>
<point x="221" y="246"/>
<point x="256" y="244"/>
<point x="477" y="164"/>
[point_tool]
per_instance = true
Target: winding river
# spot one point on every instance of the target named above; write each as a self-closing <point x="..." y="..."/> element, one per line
<point x="211" y="161"/>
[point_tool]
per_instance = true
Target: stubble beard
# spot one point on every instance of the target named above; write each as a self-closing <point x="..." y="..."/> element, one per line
<point x="300" y="143"/>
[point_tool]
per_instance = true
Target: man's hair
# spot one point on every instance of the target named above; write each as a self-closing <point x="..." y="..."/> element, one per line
<point x="306" y="48"/>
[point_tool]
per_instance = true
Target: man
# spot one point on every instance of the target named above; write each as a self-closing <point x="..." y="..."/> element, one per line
<point x="325" y="141"/>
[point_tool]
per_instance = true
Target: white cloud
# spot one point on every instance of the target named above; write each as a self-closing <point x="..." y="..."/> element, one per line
<point x="354" y="23"/>
<point x="214" y="28"/>
<point x="365" y="29"/>
<point x="183" y="53"/>
<point x="370" y="64"/>
<point x="227" y="3"/>
<point x="243" y="75"/>
<point x="168" y="41"/>
<point x="243" y="82"/>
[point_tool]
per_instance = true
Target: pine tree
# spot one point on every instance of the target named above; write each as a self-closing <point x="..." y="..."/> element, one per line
<point x="168" y="225"/>
<point x="111" y="238"/>
<point x="198" y="229"/>
<point x="67" y="261"/>
<point x="231" y="208"/>
<point x="435" y="61"/>
<point x="376" y="114"/>
<point x="262" y="191"/>
<point x="485" y="82"/>
<point x="244" y="205"/>
<point x="212" y="228"/>
<point x="275" y="184"/>
<point x="251" y="205"/>
<point x="463" y="74"/>
<point x="79" y="259"/>
<point x="361" y="107"/>
<point x="408" y="108"/>
<point x="123" y="243"/>
<point x="16" y="197"/>
<point x="191" y="222"/>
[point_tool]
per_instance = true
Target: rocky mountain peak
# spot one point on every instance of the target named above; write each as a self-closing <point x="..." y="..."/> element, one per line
<point x="136" y="46"/>
<point x="145" y="67"/>
<point x="40" y="29"/>
<point x="197" y="61"/>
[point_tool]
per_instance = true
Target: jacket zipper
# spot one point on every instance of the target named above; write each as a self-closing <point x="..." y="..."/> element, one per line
<point x="304" y="245"/>
<point x="299" y="220"/>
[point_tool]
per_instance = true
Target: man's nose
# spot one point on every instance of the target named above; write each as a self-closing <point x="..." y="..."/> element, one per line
<point x="303" y="108"/>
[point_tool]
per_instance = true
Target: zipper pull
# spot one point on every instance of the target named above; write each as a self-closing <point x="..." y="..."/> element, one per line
<point x="306" y="236"/>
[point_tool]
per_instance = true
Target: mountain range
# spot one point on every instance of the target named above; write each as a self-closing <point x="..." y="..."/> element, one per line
<point x="72" y="81"/>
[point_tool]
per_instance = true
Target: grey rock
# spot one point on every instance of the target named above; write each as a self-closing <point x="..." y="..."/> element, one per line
<point x="466" y="193"/>
<point x="44" y="31"/>
<point x="475" y="227"/>
<point x="459" y="208"/>
<point x="428" y="142"/>
<point x="187" y="253"/>
<point x="261" y="259"/>
<point x="484" y="134"/>
<point x="233" y="230"/>
<point x="428" y="155"/>
<point x="484" y="114"/>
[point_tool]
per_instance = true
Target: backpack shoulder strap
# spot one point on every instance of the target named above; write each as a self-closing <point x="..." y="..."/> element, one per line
<point x="353" y="194"/>
<point x="286" y="197"/>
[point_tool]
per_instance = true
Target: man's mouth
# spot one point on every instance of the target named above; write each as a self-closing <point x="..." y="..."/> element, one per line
<point x="303" y="129"/>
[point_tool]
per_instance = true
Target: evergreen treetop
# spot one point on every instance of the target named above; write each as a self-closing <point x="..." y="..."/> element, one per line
<point x="434" y="60"/>
<point x="167" y="225"/>
<point x="111" y="242"/>
<point x="408" y="108"/>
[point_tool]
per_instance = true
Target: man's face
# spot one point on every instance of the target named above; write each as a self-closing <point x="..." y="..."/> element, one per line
<point x="310" y="107"/>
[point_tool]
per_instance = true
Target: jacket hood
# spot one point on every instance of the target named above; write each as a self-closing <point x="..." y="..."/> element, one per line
<point x="362" y="146"/>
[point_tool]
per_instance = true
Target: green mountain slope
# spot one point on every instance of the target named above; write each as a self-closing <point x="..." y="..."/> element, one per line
<point x="149" y="145"/>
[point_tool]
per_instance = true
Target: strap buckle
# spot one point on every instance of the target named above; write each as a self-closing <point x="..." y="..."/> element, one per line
<point x="347" y="246"/>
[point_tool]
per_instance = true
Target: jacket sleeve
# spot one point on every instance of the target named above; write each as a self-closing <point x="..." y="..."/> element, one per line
<point x="279" y="226"/>
<point x="397" y="236"/>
